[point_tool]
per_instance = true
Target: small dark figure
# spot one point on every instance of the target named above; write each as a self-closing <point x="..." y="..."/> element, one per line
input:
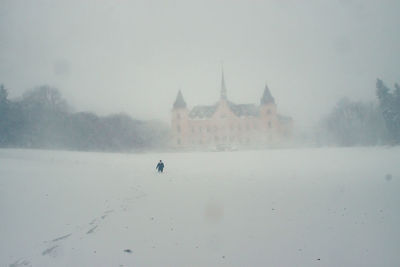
<point x="160" y="166"/>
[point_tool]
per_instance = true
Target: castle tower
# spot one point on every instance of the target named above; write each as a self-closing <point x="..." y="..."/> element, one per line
<point x="179" y="120"/>
<point x="179" y="101"/>
<point x="268" y="114"/>
<point x="223" y="87"/>
<point x="267" y="103"/>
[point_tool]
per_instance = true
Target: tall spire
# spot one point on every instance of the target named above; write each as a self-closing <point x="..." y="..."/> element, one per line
<point x="223" y="87"/>
<point x="267" y="97"/>
<point x="179" y="102"/>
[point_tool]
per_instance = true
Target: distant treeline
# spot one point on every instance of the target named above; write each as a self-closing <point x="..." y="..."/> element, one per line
<point x="358" y="123"/>
<point x="41" y="118"/>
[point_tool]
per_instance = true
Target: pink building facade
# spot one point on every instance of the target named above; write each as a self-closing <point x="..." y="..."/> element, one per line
<point x="226" y="125"/>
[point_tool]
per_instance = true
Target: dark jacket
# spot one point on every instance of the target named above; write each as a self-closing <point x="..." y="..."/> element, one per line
<point x="160" y="166"/>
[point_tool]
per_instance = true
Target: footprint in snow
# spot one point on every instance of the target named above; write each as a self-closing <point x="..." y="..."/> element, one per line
<point x="91" y="230"/>
<point x="50" y="251"/>
<point x="20" y="262"/>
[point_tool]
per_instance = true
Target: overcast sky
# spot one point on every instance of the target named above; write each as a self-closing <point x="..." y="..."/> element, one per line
<point x="133" y="56"/>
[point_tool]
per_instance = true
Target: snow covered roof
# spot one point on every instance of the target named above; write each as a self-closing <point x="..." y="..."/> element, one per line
<point x="202" y="112"/>
<point x="244" y="109"/>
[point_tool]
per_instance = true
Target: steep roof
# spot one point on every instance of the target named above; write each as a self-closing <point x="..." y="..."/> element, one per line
<point x="179" y="102"/>
<point x="202" y="112"/>
<point x="244" y="109"/>
<point x="267" y="97"/>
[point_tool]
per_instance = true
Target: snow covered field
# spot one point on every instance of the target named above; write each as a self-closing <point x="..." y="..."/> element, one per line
<point x="300" y="207"/>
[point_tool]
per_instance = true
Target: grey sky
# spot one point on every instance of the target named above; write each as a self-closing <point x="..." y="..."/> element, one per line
<point x="133" y="56"/>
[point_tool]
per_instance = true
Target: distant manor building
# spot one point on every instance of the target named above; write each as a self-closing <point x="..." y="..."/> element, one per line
<point x="226" y="125"/>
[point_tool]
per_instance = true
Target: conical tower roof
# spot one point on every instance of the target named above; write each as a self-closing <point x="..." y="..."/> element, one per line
<point x="223" y="87"/>
<point x="267" y="98"/>
<point x="179" y="102"/>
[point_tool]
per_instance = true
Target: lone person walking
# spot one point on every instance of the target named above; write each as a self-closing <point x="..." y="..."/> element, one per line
<point x="160" y="166"/>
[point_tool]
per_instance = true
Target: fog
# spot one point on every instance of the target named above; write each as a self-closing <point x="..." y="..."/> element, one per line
<point x="133" y="56"/>
<point x="280" y="149"/>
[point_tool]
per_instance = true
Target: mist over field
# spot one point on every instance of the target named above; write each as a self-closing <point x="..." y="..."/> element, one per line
<point x="277" y="122"/>
<point x="290" y="207"/>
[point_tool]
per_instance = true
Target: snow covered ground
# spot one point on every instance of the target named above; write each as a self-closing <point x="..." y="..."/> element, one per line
<point x="300" y="207"/>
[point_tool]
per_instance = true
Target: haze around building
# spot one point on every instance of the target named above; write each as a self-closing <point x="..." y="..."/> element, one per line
<point x="134" y="56"/>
